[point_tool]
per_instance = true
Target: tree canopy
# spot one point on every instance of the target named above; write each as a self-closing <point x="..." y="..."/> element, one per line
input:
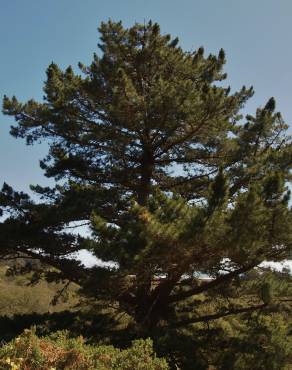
<point x="148" y="146"/>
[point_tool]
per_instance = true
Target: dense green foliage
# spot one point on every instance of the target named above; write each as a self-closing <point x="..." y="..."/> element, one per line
<point x="59" y="352"/>
<point x="148" y="148"/>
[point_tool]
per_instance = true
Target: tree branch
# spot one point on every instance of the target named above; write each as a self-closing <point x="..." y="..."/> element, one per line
<point x="219" y="315"/>
<point x="202" y="288"/>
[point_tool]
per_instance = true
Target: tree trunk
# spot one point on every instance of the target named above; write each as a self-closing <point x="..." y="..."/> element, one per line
<point x="146" y="169"/>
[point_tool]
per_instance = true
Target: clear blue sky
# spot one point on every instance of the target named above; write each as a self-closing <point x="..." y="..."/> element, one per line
<point x="256" y="35"/>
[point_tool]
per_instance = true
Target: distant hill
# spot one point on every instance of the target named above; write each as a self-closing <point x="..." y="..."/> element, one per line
<point x="18" y="295"/>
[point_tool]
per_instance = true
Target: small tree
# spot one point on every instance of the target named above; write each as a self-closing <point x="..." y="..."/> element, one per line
<point x="148" y="148"/>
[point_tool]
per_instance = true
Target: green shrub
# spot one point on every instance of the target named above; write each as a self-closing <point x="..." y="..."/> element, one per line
<point x="58" y="352"/>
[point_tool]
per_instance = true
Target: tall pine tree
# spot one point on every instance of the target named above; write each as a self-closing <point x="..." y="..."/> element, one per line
<point x="149" y="149"/>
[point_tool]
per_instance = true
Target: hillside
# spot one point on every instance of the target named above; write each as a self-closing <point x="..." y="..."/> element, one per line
<point x="19" y="295"/>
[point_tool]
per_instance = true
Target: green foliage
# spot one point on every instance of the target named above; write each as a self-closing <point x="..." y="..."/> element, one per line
<point x="259" y="342"/>
<point x="265" y="343"/>
<point x="60" y="352"/>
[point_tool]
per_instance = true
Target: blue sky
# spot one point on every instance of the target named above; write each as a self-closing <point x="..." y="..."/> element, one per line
<point x="256" y="36"/>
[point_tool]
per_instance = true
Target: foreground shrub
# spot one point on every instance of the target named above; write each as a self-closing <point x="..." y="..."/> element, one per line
<point x="58" y="352"/>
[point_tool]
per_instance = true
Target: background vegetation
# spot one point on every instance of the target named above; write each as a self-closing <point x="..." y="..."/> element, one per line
<point x="260" y="341"/>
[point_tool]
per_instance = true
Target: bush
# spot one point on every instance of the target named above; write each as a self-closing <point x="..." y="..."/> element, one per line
<point x="58" y="352"/>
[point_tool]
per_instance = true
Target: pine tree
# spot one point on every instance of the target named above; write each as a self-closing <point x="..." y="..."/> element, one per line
<point x="149" y="149"/>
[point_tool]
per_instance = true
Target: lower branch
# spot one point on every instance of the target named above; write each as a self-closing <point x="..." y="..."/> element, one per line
<point x="214" y="283"/>
<point x="219" y="315"/>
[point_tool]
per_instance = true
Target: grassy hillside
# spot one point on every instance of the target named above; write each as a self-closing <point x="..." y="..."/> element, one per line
<point x="18" y="295"/>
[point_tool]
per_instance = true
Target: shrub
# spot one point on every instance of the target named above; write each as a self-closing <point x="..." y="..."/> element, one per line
<point x="58" y="352"/>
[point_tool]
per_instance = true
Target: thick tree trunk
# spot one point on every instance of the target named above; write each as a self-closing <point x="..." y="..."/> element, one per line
<point x="147" y="164"/>
<point x="155" y="307"/>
